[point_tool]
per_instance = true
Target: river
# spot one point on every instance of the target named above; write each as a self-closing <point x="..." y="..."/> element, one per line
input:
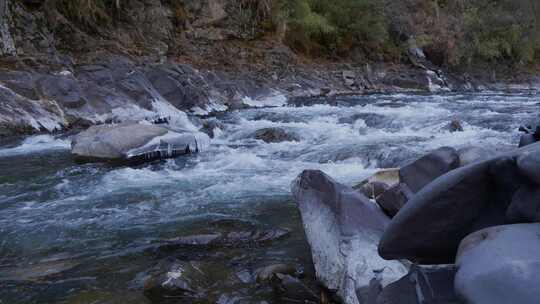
<point x="87" y="233"/>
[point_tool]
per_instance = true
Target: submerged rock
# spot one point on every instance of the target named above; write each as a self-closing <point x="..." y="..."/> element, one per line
<point x="343" y="228"/>
<point x="275" y="135"/>
<point x="177" y="279"/>
<point x="227" y="233"/>
<point x="37" y="272"/>
<point x="264" y="274"/>
<point x="525" y="206"/>
<point x="131" y="142"/>
<point x="500" y="265"/>
<point x="291" y="289"/>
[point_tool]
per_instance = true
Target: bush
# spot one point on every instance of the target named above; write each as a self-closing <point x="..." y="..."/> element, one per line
<point x="504" y="30"/>
<point x="336" y="26"/>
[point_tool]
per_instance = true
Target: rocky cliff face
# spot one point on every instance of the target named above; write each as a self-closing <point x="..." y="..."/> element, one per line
<point x="159" y="58"/>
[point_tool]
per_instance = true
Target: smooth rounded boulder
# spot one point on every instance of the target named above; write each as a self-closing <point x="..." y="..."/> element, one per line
<point x="343" y="228"/>
<point x="529" y="165"/>
<point x="131" y="142"/>
<point x="423" y="171"/>
<point x="500" y="265"/>
<point x="433" y="222"/>
<point x="430" y="226"/>
<point x="525" y="206"/>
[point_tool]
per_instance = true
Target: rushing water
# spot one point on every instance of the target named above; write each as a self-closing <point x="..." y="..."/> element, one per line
<point x="72" y="233"/>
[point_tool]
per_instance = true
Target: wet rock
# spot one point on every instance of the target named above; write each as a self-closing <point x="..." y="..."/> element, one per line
<point x="531" y="135"/>
<point x="228" y="233"/>
<point x="455" y="126"/>
<point x="526" y="139"/>
<point x="37" y="272"/>
<point x="379" y="182"/>
<point x="393" y="199"/>
<point x="212" y="127"/>
<point x="431" y="225"/>
<point x="264" y="274"/>
<point x="388" y="176"/>
<point x="529" y="165"/>
<point x="525" y="206"/>
<point x="275" y="135"/>
<point x="343" y="228"/>
<point x="131" y="142"/>
<point x="176" y="279"/>
<point x="469" y="155"/>
<point x="426" y="169"/>
<point x="373" y="190"/>
<point x="500" y="265"/>
<point x="423" y="284"/>
<point x="289" y="288"/>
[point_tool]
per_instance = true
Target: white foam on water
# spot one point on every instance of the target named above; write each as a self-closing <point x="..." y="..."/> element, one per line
<point x="275" y="100"/>
<point x="38" y="143"/>
<point x="213" y="106"/>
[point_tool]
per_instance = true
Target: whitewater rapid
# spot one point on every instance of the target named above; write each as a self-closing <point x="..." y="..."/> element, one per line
<point x="97" y="214"/>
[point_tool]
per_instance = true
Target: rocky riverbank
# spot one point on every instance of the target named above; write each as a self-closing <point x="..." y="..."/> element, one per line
<point x="56" y="75"/>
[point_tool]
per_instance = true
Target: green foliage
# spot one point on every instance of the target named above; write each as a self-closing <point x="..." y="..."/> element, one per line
<point x="503" y="30"/>
<point x="336" y="25"/>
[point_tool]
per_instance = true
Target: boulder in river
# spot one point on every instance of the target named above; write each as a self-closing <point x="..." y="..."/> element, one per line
<point x="343" y="228"/>
<point x="500" y="265"/>
<point x="530" y="137"/>
<point x="426" y="169"/>
<point x="455" y="126"/>
<point x="529" y="165"/>
<point x="393" y="199"/>
<point x="275" y="135"/>
<point x="176" y="279"/>
<point x="525" y="206"/>
<point x="379" y="182"/>
<point x="131" y="142"/>
<point x="430" y="226"/>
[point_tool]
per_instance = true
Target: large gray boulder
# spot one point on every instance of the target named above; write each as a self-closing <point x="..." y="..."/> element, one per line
<point x="131" y="142"/>
<point x="424" y="170"/>
<point x="500" y="265"/>
<point x="433" y="222"/>
<point x="429" y="227"/>
<point x="525" y="206"/>
<point x="343" y="228"/>
<point x="529" y="165"/>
